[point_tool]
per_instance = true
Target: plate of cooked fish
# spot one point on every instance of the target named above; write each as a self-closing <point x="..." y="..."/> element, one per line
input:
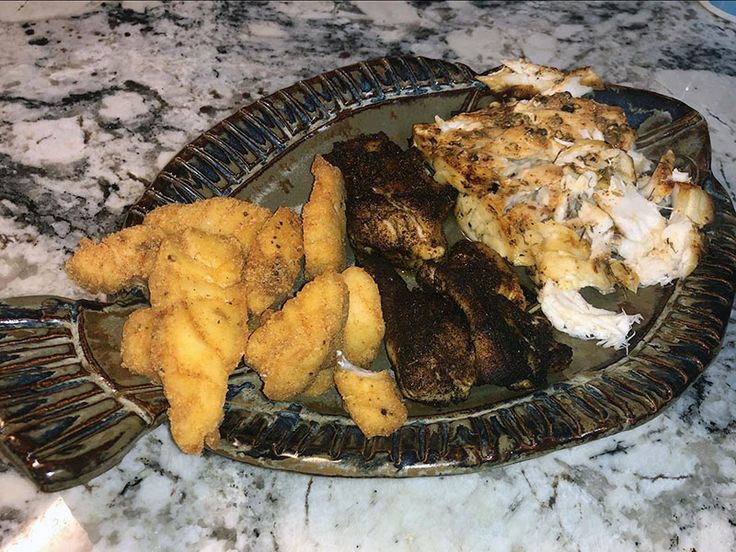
<point x="397" y="268"/>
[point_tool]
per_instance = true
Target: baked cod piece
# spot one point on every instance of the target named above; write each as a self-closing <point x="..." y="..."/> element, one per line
<point x="371" y="399"/>
<point x="523" y="79"/>
<point x="661" y="184"/>
<point x="393" y="206"/>
<point x="274" y="261"/>
<point x="524" y="167"/>
<point x="568" y="311"/>
<point x="294" y="344"/>
<point x="118" y="261"/>
<point x="510" y="148"/>
<point x="554" y="183"/>
<point x="560" y="256"/>
<point x="654" y="248"/>
<point x="323" y="220"/>
<point x="364" y="327"/>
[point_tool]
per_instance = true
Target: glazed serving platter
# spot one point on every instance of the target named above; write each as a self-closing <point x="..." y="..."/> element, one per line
<point x="68" y="411"/>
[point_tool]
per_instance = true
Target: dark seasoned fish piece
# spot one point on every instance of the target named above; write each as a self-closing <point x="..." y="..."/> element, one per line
<point x="427" y="339"/>
<point x="394" y="207"/>
<point x="512" y="347"/>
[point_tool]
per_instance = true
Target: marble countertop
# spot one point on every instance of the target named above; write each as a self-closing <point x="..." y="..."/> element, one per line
<point x="96" y="97"/>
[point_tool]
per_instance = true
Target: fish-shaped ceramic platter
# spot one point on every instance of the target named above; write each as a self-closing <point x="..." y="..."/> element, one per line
<point x="68" y="411"/>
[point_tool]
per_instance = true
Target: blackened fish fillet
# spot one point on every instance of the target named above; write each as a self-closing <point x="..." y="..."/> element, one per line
<point x="512" y="347"/>
<point x="427" y="339"/>
<point x="394" y="207"/>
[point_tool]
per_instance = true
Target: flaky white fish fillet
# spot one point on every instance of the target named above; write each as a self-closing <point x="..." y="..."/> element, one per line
<point x="571" y="314"/>
<point x="553" y="182"/>
<point x="539" y="79"/>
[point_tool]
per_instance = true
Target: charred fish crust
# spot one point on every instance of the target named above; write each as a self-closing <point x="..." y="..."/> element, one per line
<point x="485" y="265"/>
<point x="394" y="206"/>
<point x="427" y="339"/>
<point x="512" y="347"/>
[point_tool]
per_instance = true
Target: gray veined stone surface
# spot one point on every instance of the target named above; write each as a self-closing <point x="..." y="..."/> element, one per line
<point x="94" y="103"/>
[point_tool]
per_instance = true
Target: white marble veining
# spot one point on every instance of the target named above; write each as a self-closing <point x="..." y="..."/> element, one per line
<point x="94" y="101"/>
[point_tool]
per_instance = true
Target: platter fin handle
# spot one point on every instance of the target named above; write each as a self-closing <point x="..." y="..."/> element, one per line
<point x="68" y="410"/>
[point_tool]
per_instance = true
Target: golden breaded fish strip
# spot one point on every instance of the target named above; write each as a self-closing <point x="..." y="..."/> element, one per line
<point x="372" y="399"/>
<point x="295" y="343"/>
<point x="135" y="348"/>
<point x="117" y="262"/>
<point x="323" y="218"/>
<point x="222" y="323"/>
<point x="224" y="216"/>
<point x="322" y="383"/>
<point x="274" y="261"/>
<point x="364" y="328"/>
<point x="194" y="375"/>
<point x="193" y="265"/>
<point x="200" y="329"/>
<point x="195" y="409"/>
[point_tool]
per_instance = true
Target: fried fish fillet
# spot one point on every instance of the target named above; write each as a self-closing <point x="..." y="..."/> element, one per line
<point x="126" y="258"/>
<point x="323" y="219"/>
<point x="203" y="271"/>
<point x="135" y="348"/>
<point x="363" y="331"/>
<point x="223" y="216"/>
<point x="194" y="375"/>
<point x="274" y="261"/>
<point x="364" y="327"/>
<point x="371" y="398"/>
<point x="294" y="344"/>
<point x="117" y="262"/>
<point x="195" y="265"/>
<point x="185" y="349"/>
<point x="199" y="329"/>
<point x="194" y="334"/>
